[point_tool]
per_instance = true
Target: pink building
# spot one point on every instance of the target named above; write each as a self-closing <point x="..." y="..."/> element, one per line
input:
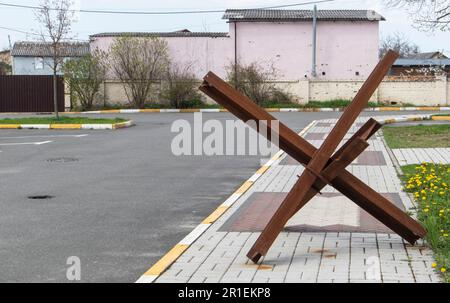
<point x="346" y="47"/>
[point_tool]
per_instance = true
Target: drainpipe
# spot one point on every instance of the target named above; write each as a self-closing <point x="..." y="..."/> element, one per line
<point x="235" y="55"/>
<point x="313" y="68"/>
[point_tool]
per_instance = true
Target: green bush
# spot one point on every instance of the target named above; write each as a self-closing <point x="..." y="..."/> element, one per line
<point x="255" y="82"/>
<point x="84" y="77"/>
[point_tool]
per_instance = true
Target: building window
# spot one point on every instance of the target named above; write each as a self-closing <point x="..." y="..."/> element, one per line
<point x="357" y="73"/>
<point x="38" y="63"/>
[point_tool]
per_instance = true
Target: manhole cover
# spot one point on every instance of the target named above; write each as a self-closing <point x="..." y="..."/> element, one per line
<point x="62" y="160"/>
<point x="40" y="197"/>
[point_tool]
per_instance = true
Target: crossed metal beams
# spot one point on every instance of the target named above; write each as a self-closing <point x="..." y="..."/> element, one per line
<point x="322" y="167"/>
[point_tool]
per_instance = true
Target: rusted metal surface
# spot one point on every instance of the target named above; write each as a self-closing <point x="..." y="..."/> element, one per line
<point x="29" y="93"/>
<point x="322" y="167"/>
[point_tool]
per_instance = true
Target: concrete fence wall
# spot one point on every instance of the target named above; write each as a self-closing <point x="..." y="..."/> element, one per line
<point x="393" y="90"/>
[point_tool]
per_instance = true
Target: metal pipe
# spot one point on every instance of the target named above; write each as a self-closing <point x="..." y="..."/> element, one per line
<point x="235" y="56"/>
<point x="313" y="68"/>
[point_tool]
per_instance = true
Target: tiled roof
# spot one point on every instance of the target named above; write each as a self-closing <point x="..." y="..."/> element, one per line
<point x="182" y="33"/>
<point x="41" y="49"/>
<point x="422" y="62"/>
<point x="429" y="55"/>
<point x="300" y="15"/>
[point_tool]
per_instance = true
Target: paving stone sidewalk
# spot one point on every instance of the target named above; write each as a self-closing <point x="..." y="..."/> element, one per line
<point x="419" y="155"/>
<point x="330" y="240"/>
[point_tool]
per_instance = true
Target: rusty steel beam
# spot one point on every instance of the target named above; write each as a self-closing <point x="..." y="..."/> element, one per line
<point x="295" y="199"/>
<point x="303" y="151"/>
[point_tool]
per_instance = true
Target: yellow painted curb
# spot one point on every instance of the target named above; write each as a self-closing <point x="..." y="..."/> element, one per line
<point x="110" y="111"/>
<point x="263" y="169"/>
<point x="389" y="108"/>
<point x="440" y="118"/>
<point x="416" y="119"/>
<point x="167" y="260"/>
<point x="244" y="187"/>
<point x="389" y="121"/>
<point x="122" y="124"/>
<point x="428" y="108"/>
<point x="215" y="215"/>
<point x="65" y="126"/>
<point x="10" y="126"/>
<point x="272" y="109"/>
<point x="223" y="110"/>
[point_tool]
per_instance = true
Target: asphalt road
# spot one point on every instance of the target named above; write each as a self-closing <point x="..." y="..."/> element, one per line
<point x="120" y="199"/>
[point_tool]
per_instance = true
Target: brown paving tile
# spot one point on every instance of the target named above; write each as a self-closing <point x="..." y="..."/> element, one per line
<point x="254" y="214"/>
<point x="371" y="158"/>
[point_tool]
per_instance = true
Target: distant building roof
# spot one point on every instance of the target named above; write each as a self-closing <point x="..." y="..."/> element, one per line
<point x="428" y="55"/>
<point x="42" y="49"/>
<point x="422" y="62"/>
<point x="181" y="33"/>
<point x="300" y="15"/>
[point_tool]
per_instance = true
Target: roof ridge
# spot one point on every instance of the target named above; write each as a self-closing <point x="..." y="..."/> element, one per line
<point x="162" y="34"/>
<point x="302" y="14"/>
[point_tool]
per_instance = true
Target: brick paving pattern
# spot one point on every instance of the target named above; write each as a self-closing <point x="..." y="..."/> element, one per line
<point x="419" y="155"/>
<point x="330" y="240"/>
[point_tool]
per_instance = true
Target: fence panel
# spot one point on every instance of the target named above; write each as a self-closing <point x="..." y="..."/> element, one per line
<point x="29" y="93"/>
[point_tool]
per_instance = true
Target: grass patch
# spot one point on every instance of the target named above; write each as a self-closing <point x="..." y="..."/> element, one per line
<point x="313" y="104"/>
<point x="158" y="105"/>
<point x="429" y="183"/>
<point x="417" y="136"/>
<point x="338" y="103"/>
<point x="333" y="103"/>
<point x="61" y="120"/>
<point x="281" y="105"/>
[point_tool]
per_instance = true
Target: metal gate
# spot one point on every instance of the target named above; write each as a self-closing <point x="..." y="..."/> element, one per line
<point x="30" y="93"/>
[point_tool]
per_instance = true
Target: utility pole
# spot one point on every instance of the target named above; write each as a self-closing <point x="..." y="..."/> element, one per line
<point x="314" y="39"/>
<point x="9" y="40"/>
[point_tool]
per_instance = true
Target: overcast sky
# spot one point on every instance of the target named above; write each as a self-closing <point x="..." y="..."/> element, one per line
<point x="22" y="19"/>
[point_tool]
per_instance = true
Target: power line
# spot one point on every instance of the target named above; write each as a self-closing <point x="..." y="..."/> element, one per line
<point x="34" y="34"/>
<point x="157" y="12"/>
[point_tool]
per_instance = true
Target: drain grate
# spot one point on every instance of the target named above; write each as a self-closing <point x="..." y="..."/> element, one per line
<point x="40" y="197"/>
<point x="62" y="160"/>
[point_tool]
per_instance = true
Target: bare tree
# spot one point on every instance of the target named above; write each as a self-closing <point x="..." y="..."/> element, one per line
<point x="56" y="17"/>
<point x="84" y="77"/>
<point x="428" y="15"/>
<point x="400" y="44"/>
<point x="181" y="86"/>
<point x="253" y="80"/>
<point x="138" y="62"/>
